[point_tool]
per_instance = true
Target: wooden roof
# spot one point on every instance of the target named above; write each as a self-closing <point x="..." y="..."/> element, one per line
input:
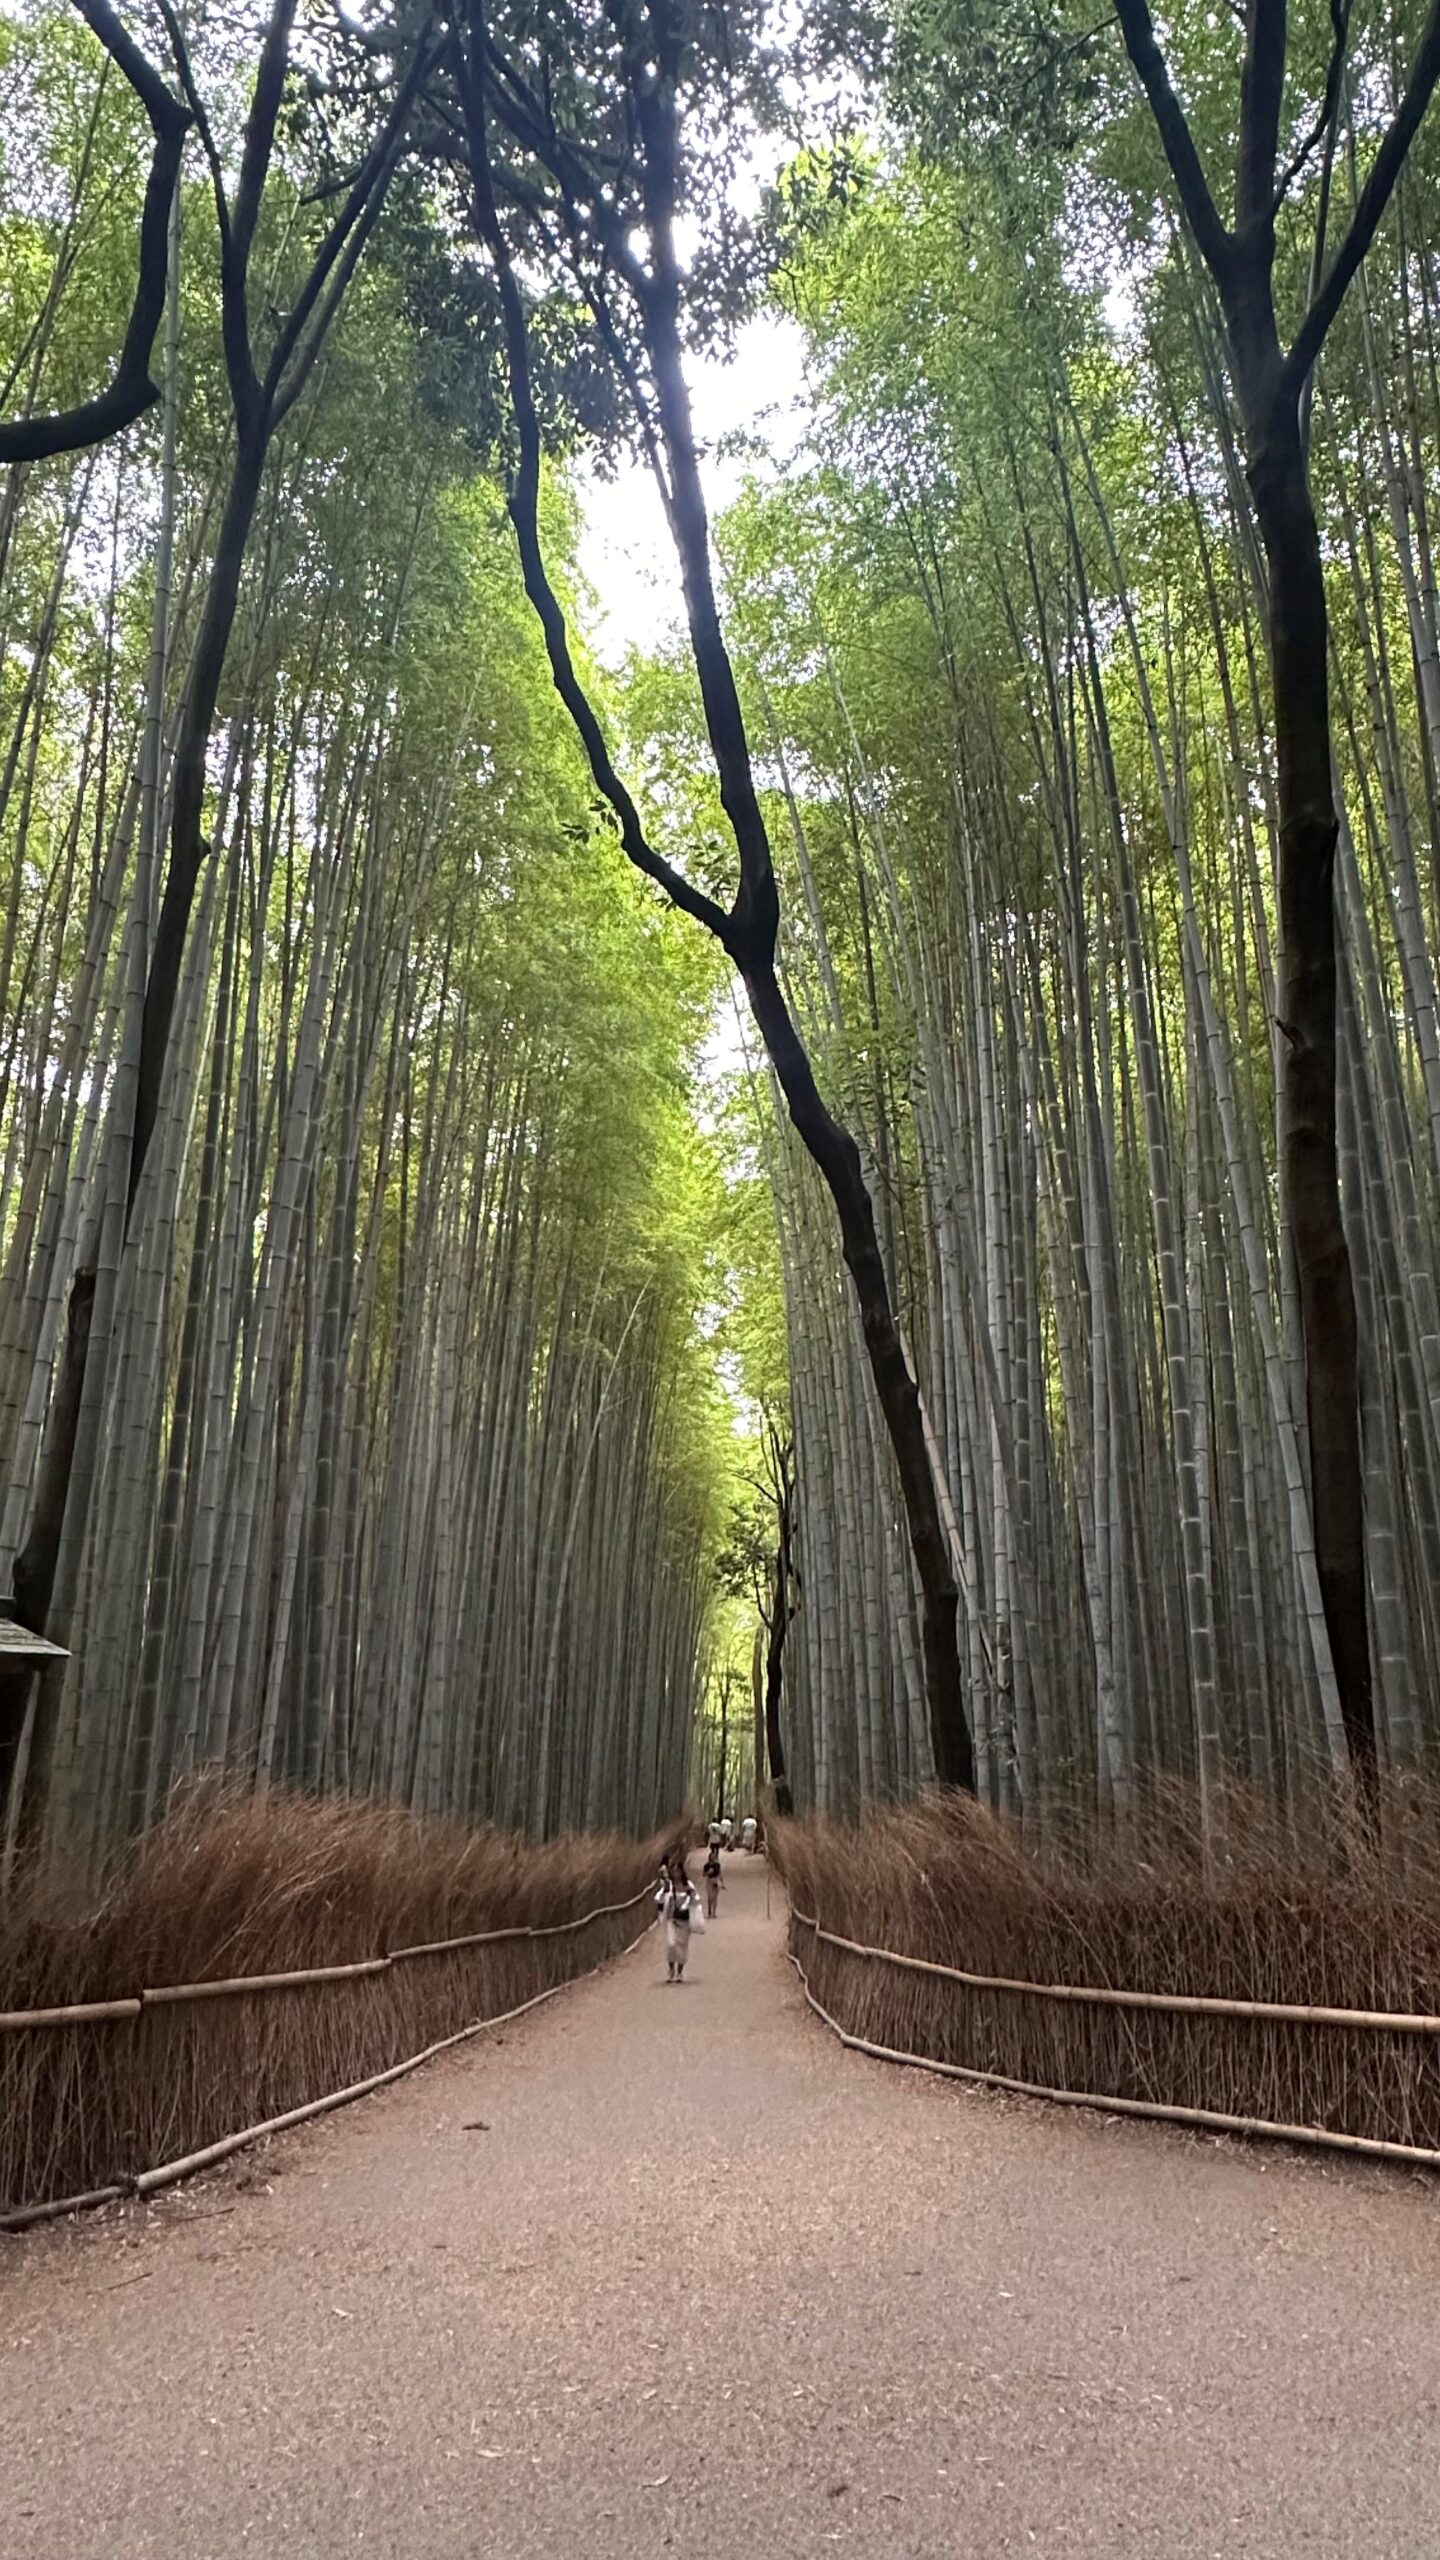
<point x="19" y="1644"/>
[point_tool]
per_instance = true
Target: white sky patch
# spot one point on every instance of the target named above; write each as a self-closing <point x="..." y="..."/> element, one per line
<point x="1120" y="305"/>
<point x="625" y="551"/>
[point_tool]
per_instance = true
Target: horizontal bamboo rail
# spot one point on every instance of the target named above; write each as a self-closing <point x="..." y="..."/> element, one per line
<point x="488" y="1937"/>
<point x="170" y="1993"/>
<point x="1203" y="2119"/>
<point x="149" y="2182"/>
<point x="85" y="2013"/>
<point x="1182" y="2003"/>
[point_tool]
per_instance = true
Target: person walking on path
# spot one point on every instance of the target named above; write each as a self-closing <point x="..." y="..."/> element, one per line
<point x="713" y="1881"/>
<point x="678" y="1902"/>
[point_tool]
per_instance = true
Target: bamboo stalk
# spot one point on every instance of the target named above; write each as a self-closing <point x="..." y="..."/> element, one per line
<point x="82" y="2013"/>
<point x="172" y="1993"/>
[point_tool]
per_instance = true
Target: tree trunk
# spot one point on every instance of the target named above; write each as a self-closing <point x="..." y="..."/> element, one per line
<point x="1309" y="1158"/>
<point x="838" y="1158"/>
<point x="187" y="786"/>
<point x="775" y="1633"/>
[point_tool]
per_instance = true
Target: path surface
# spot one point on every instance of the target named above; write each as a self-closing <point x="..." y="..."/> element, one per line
<point x="706" y="2282"/>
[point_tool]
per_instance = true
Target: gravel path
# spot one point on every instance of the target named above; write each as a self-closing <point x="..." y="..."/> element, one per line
<point x="659" y="2270"/>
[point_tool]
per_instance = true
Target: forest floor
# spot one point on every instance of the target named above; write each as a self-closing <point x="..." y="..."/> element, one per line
<point x="665" y="2270"/>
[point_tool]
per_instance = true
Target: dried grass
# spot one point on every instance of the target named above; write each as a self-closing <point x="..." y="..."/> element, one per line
<point x="227" y="1886"/>
<point x="1329" y="1913"/>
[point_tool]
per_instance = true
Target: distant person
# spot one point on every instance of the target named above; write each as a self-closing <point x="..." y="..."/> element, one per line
<point x="678" y="1902"/>
<point x="713" y="1881"/>
<point x="715" y="1834"/>
<point x="726" y="1828"/>
<point x="749" y="1830"/>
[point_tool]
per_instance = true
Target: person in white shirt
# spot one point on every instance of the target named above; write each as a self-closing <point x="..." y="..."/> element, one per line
<point x="747" y="1831"/>
<point x="677" y="1901"/>
<point x="726" y="1828"/>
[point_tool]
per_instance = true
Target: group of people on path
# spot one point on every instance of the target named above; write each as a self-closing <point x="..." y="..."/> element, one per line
<point x="721" y="1833"/>
<point x="677" y="1900"/>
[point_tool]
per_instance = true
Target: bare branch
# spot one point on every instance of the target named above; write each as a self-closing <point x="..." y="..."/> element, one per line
<point x="260" y="124"/>
<point x="185" y="71"/>
<point x="131" y="391"/>
<point x="339" y="252"/>
<point x="524" y="512"/>
<point x="1262" y="89"/>
<point x="1323" y="128"/>
<point x="1375" y="195"/>
<point x="1148" y="63"/>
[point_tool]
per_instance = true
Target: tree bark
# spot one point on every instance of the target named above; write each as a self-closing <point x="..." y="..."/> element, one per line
<point x="1309" y="1159"/>
<point x="776" y="1630"/>
<point x="130" y="391"/>
<point x="838" y="1158"/>
<point x="187" y="788"/>
<point x="747" y="930"/>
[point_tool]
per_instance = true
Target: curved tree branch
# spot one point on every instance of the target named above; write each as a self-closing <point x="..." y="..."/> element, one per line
<point x="1375" y="195"/>
<point x="524" y="512"/>
<point x="131" y="391"/>
<point x="1178" y="142"/>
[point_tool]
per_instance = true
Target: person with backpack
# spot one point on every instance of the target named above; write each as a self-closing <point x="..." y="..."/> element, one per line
<point x="713" y="1881"/>
<point x="678" y="1903"/>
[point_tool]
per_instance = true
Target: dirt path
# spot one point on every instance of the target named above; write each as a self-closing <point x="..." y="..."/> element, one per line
<point x="706" y="2282"/>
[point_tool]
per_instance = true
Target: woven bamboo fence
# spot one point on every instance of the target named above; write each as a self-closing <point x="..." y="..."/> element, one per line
<point x="1356" y="2080"/>
<point x="107" y="2097"/>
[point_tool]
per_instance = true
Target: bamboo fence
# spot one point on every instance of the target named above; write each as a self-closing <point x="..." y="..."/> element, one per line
<point x="1286" y="2070"/>
<point x="97" y="2109"/>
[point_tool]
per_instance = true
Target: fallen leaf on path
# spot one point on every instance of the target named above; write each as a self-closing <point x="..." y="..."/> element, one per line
<point x="662" y="2483"/>
<point x="476" y="2125"/>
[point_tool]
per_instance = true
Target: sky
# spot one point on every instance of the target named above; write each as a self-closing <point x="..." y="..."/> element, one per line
<point x="625" y="551"/>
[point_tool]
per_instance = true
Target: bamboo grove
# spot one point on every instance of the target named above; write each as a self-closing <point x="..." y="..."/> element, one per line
<point x="1004" y="629"/>
<point x="392" y="1470"/>
<point x="423" y="1372"/>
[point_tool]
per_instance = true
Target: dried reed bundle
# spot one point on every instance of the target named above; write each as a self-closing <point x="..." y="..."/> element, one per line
<point x="1329" y="1910"/>
<point x="228" y="1886"/>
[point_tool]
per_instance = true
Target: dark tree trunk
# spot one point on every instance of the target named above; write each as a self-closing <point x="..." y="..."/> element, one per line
<point x="187" y="789"/>
<point x="1272" y="386"/>
<point x="747" y="931"/>
<point x="32" y="1578"/>
<point x="33" y="1575"/>
<point x="777" y="1627"/>
<point x="34" y="1571"/>
<point x="1309" y="1159"/>
<point x="838" y="1158"/>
